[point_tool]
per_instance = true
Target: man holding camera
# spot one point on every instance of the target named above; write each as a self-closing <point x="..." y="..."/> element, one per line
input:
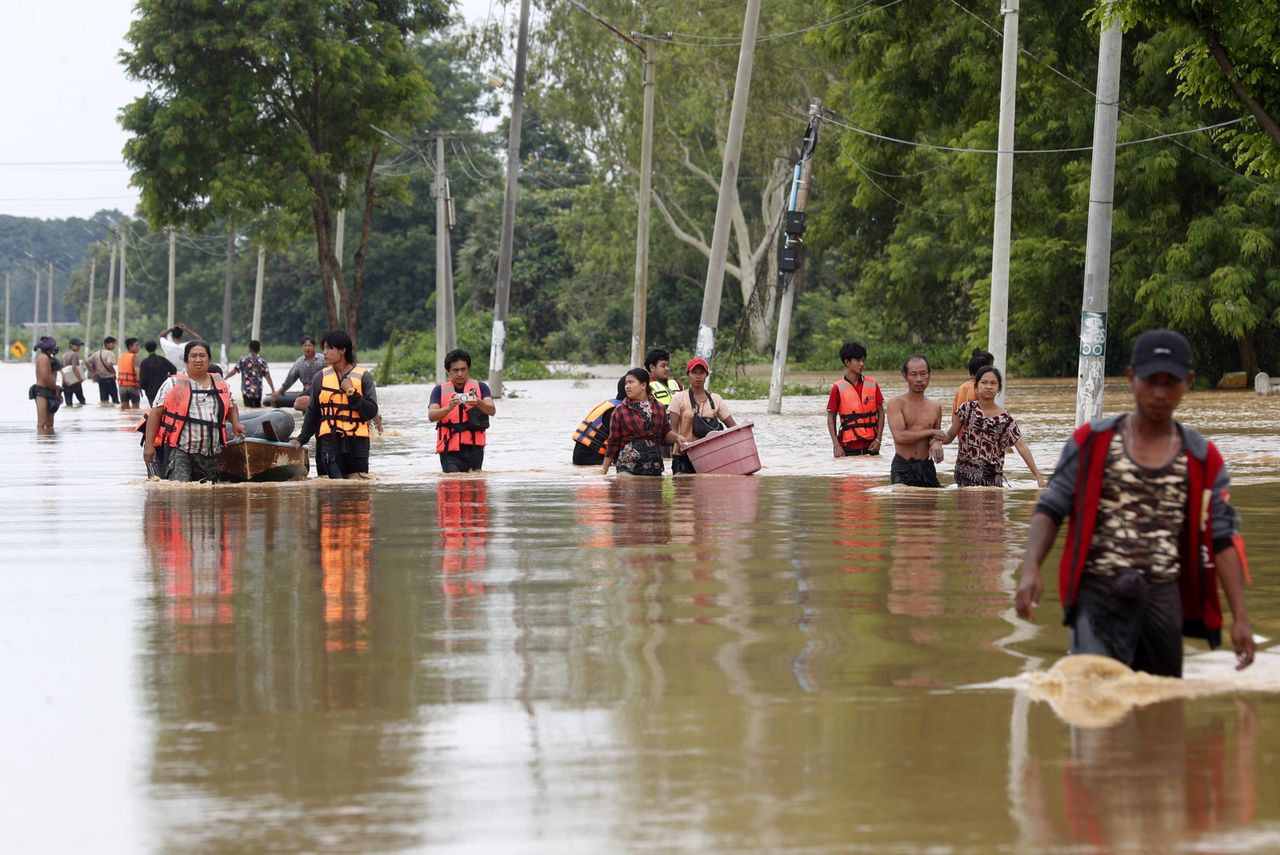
<point x="461" y="408"/>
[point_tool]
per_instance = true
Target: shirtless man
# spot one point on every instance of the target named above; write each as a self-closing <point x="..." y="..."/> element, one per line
<point x="916" y="423"/>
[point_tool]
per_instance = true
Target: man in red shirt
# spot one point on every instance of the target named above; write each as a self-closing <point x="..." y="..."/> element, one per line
<point x="859" y="403"/>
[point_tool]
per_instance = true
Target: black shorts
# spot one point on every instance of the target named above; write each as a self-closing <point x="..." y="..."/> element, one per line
<point x="469" y="458"/>
<point x="340" y="457"/>
<point x="859" y="452"/>
<point x="1130" y="619"/>
<point x="913" y="473"/>
<point x="252" y="402"/>
<point x="585" y="455"/>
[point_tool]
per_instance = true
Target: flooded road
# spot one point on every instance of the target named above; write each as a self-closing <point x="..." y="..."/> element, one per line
<point x="543" y="659"/>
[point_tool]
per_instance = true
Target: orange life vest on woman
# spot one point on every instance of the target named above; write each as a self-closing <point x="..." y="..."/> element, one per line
<point x="177" y="409"/>
<point x="336" y="413"/>
<point x="859" y="416"/>
<point x="455" y="429"/>
<point x="127" y="372"/>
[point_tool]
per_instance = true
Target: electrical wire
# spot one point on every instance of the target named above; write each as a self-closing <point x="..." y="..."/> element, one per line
<point x="698" y="40"/>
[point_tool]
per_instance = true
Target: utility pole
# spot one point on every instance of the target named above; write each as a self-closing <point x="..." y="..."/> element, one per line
<point x="706" y="344"/>
<point x="506" y="244"/>
<point x="791" y="263"/>
<point x="256" y="333"/>
<point x="48" y="302"/>
<point x="120" y="295"/>
<point x="442" y="242"/>
<point x="111" y="286"/>
<point x="640" y="301"/>
<point x="451" y="317"/>
<point x="1097" y="251"/>
<point x="35" y="312"/>
<point x="88" y="312"/>
<point x="227" y="282"/>
<point x="173" y="277"/>
<point x="998" y="317"/>
<point x="7" y="277"/>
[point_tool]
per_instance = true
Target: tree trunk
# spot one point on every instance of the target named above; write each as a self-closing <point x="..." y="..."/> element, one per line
<point x="322" y="214"/>
<point x="352" y="301"/>
<point x="1265" y="119"/>
<point x="1248" y="354"/>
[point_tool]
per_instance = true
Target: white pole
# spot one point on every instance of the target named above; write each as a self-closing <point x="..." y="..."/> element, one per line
<point x="257" y="292"/>
<point x="173" y="278"/>
<point x="640" y="300"/>
<point x="111" y="287"/>
<point x="1097" y="250"/>
<point x="7" y="277"/>
<point x="88" y="312"/>
<point x="48" y="302"/>
<point x="998" y="319"/>
<point x="442" y="231"/>
<point x="120" y="297"/>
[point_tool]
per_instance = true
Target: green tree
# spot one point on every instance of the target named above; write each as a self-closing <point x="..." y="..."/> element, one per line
<point x="1229" y="59"/>
<point x="257" y="105"/>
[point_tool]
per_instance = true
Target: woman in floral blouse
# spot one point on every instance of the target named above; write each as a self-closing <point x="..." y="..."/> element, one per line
<point x="986" y="432"/>
<point x="638" y="429"/>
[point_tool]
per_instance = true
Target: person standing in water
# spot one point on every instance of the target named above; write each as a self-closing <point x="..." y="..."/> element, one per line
<point x="695" y="413"/>
<point x="304" y="369"/>
<point x="45" y="390"/>
<point x="916" y="423"/>
<point x="252" y="369"/>
<point x="461" y="408"/>
<point x="130" y="386"/>
<point x="73" y="375"/>
<point x="661" y="384"/>
<point x="638" y="430"/>
<point x="968" y="390"/>
<point x="987" y="432"/>
<point x="858" y="402"/>
<point x="1151" y="533"/>
<point x="343" y="402"/>
<point x="190" y="419"/>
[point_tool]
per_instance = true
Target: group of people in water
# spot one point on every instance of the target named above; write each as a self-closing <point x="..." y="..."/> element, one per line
<point x="652" y="416"/>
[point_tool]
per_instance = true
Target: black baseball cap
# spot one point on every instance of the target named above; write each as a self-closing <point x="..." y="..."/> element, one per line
<point x="76" y="341"/>
<point x="1158" y="351"/>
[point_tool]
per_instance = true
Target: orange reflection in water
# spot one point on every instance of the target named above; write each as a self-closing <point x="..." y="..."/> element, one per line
<point x="190" y="544"/>
<point x="858" y="518"/>
<point x="346" y="546"/>
<point x="462" y="513"/>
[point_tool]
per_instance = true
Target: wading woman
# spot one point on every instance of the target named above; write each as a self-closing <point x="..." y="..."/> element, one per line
<point x="696" y="412"/>
<point x="638" y="429"/>
<point x="190" y="419"/>
<point x="986" y="432"/>
<point x="343" y="402"/>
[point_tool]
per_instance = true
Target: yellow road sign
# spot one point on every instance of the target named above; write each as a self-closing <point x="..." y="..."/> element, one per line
<point x="18" y="350"/>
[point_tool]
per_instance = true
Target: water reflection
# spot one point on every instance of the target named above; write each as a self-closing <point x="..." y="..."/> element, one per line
<point x="273" y="681"/>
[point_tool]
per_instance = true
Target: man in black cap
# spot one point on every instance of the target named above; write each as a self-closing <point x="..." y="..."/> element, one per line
<point x="1151" y="532"/>
<point x="73" y="375"/>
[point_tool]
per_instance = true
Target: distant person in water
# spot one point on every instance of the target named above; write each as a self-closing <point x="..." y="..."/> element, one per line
<point x="988" y="433"/>
<point x="968" y="390"/>
<point x="130" y="386"/>
<point x="916" y="423"/>
<point x="73" y="375"/>
<point x="857" y="401"/>
<point x="661" y="384"/>
<point x="153" y="370"/>
<point x="45" y="390"/>
<point x="174" y="341"/>
<point x="1151" y="534"/>
<point x="343" y="402"/>
<point x="304" y="369"/>
<point x="252" y="369"/>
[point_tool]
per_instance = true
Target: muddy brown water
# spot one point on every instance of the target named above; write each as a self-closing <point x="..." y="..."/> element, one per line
<point x="542" y="659"/>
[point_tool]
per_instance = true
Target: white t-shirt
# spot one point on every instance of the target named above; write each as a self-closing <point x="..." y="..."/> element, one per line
<point x="173" y="350"/>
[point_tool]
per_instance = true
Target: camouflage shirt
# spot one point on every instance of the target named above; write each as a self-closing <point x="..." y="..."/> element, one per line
<point x="1140" y="515"/>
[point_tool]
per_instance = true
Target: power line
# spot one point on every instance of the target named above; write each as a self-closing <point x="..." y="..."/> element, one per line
<point x="698" y="40"/>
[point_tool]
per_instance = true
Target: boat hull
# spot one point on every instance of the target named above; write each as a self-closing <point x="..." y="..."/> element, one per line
<point x="260" y="460"/>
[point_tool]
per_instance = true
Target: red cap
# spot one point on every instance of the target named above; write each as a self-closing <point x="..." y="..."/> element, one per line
<point x="695" y="362"/>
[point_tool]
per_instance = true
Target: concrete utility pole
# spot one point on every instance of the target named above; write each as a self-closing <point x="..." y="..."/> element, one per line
<point x="706" y="344"/>
<point x="227" y="283"/>
<point x="120" y="295"/>
<point x="998" y="319"/>
<point x="1097" y="251"/>
<point x="88" y="312"/>
<point x="111" y="286"/>
<point x="442" y="273"/>
<point x="257" y="293"/>
<point x="639" y="305"/>
<point x="7" y="278"/>
<point x="451" y="325"/>
<point x="173" y="277"/>
<point x="791" y="264"/>
<point x="48" y="302"/>
<point x="35" y="311"/>
<point x="506" y="244"/>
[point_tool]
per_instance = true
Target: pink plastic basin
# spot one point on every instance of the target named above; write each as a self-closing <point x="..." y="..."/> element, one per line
<point x="725" y="452"/>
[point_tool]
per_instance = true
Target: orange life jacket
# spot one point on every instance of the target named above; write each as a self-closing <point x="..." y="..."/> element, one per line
<point x="859" y="416"/>
<point x="591" y="432"/>
<point x="177" y="409"/>
<point x="336" y="413"/>
<point x="126" y="371"/>
<point x="456" y="429"/>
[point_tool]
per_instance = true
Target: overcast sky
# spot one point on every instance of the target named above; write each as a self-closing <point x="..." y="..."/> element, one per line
<point x="60" y="144"/>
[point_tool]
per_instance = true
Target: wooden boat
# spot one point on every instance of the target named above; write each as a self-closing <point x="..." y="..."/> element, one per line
<point x="259" y="460"/>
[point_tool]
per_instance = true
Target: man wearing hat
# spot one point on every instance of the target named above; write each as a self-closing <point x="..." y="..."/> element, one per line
<point x="1151" y="533"/>
<point x="45" y="390"/>
<point x="73" y="374"/>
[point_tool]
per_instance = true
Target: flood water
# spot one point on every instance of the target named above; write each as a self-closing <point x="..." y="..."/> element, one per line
<point x="542" y="659"/>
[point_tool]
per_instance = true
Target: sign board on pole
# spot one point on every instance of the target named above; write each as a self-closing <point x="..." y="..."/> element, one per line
<point x="18" y="349"/>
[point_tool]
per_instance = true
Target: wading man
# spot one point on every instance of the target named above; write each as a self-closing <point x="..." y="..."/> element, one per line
<point x="858" y="402"/>
<point x="461" y="408"/>
<point x="916" y="424"/>
<point x="1151" y="532"/>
